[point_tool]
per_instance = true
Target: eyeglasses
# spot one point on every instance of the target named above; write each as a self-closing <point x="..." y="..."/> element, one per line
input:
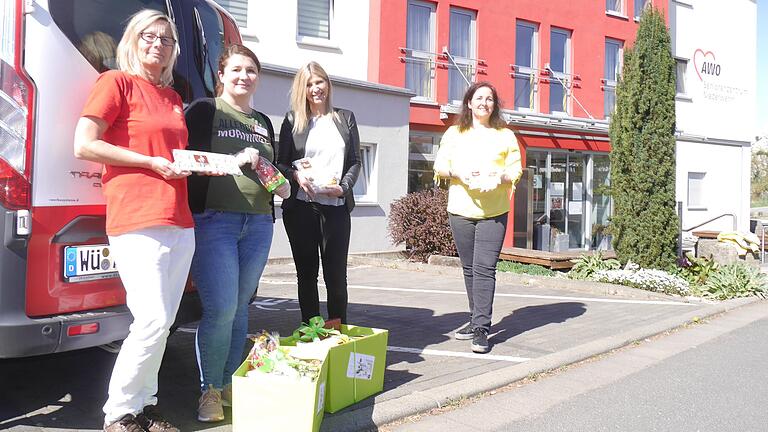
<point x="151" y="38"/>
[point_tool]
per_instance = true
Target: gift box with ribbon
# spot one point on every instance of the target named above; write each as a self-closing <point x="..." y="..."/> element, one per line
<point x="356" y="360"/>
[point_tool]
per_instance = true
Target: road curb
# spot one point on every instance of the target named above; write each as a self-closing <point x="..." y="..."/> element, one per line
<point x="371" y="414"/>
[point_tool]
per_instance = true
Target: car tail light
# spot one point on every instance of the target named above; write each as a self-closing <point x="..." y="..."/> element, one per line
<point x="16" y="95"/>
<point x="83" y="329"/>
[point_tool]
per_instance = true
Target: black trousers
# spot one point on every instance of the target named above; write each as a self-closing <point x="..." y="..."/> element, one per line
<point x="479" y="242"/>
<point x="312" y="227"/>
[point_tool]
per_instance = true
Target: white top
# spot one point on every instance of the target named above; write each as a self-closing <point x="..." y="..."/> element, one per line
<point x="325" y="147"/>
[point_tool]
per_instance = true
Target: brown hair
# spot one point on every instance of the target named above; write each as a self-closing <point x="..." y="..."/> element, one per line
<point x="228" y="52"/>
<point x="464" y="121"/>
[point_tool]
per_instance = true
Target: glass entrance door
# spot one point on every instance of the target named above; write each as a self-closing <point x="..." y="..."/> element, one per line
<point x="559" y="199"/>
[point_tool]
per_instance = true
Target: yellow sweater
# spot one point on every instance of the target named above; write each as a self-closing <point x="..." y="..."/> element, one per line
<point x="482" y="150"/>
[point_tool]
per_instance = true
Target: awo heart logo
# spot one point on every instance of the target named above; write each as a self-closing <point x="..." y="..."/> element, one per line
<point x="705" y="63"/>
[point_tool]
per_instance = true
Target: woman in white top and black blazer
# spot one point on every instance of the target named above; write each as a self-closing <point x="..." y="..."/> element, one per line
<point x="317" y="221"/>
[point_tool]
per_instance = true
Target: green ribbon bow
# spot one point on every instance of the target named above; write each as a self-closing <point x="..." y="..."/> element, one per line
<point x="313" y="331"/>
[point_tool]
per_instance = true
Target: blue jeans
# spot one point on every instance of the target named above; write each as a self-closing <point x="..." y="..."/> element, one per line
<point x="230" y="254"/>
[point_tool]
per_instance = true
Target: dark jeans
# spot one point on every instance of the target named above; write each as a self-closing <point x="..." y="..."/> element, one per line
<point x="313" y="226"/>
<point x="479" y="244"/>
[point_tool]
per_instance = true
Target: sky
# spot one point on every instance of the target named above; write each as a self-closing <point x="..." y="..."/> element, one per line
<point x="762" y="66"/>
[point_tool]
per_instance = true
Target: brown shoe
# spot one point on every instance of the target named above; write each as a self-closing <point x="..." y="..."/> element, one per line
<point x="210" y="408"/>
<point x="151" y="421"/>
<point x="127" y="423"/>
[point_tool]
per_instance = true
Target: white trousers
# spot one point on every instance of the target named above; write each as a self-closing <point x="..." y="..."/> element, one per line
<point x="153" y="264"/>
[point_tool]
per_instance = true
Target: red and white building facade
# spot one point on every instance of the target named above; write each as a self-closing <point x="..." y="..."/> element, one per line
<point x="555" y="65"/>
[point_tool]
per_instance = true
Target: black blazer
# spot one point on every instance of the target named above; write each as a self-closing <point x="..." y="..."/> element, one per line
<point x="293" y="145"/>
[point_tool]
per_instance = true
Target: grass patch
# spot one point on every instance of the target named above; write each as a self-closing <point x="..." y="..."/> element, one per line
<point x="531" y="269"/>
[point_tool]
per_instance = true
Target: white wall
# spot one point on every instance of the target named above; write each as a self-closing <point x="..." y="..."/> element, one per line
<point x="716" y="117"/>
<point x="272" y="34"/>
<point x="726" y="168"/>
<point x="382" y="116"/>
<point x="722" y="34"/>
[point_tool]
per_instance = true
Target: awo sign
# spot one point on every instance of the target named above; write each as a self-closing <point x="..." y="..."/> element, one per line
<point x="706" y="64"/>
<point x="712" y="74"/>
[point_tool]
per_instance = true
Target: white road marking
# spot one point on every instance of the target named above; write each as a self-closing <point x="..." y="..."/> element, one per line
<point x="457" y="354"/>
<point x="530" y="296"/>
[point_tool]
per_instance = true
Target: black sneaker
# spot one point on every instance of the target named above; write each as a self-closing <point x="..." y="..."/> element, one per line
<point x="480" y="341"/>
<point x="151" y="421"/>
<point x="127" y="423"/>
<point x="464" y="333"/>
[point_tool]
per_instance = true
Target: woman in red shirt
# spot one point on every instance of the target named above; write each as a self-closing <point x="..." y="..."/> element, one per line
<point x="131" y="123"/>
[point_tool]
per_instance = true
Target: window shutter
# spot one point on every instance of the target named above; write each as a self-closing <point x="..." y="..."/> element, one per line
<point x="238" y="9"/>
<point x="314" y="18"/>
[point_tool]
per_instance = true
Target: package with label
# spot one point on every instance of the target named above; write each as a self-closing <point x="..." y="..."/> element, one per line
<point x="269" y="175"/>
<point x="198" y="161"/>
<point x="320" y="178"/>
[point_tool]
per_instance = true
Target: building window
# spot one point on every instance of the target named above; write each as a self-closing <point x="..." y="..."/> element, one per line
<point x="314" y="19"/>
<point x="422" y="149"/>
<point x="559" y="68"/>
<point x="696" y="190"/>
<point x="238" y="9"/>
<point x="640" y="6"/>
<point x="681" y="67"/>
<point x="365" y="187"/>
<point x="613" y="60"/>
<point x="462" y="46"/>
<point x="615" y="6"/>
<point x="525" y="64"/>
<point x="420" y="48"/>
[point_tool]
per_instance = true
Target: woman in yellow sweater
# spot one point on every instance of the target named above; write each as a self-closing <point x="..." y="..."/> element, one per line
<point x="481" y="158"/>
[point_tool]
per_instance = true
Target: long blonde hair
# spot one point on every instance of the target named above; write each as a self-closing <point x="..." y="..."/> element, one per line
<point x="128" y="48"/>
<point x="299" y="103"/>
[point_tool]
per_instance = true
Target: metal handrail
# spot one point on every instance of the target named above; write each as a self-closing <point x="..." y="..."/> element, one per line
<point x="712" y="220"/>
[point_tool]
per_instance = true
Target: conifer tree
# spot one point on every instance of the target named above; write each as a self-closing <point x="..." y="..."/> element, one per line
<point x="642" y="130"/>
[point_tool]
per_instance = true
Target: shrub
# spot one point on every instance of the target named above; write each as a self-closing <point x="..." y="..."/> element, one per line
<point x="642" y="130"/>
<point x="420" y="221"/>
<point x="696" y="270"/>
<point x="647" y="279"/>
<point x="531" y="269"/>
<point x="586" y="265"/>
<point x="735" y="280"/>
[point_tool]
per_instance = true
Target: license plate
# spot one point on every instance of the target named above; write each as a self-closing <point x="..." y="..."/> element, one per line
<point x="83" y="263"/>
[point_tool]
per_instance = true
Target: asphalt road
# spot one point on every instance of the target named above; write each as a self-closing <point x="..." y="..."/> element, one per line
<point x="707" y="377"/>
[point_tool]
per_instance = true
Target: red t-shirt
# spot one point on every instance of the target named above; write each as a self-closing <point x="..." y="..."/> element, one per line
<point x="149" y="120"/>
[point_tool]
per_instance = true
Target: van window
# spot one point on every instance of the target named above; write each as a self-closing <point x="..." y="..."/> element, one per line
<point x="95" y="27"/>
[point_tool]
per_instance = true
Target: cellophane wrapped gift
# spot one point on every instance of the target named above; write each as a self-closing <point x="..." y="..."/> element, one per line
<point x="279" y="388"/>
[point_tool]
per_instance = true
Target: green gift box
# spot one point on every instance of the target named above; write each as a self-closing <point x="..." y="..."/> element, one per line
<point x="271" y="402"/>
<point x="355" y="368"/>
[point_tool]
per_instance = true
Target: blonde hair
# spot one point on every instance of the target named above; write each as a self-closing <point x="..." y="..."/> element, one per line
<point x="299" y="103"/>
<point x="99" y="49"/>
<point x="128" y="48"/>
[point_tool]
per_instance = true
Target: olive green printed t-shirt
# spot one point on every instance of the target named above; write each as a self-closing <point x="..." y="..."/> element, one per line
<point x="231" y="132"/>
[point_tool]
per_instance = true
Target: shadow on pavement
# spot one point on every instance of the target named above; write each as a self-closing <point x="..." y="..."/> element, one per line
<point x="67" y="390"/>
<point x="531" y="317"/>
<point x="57" y="390"/>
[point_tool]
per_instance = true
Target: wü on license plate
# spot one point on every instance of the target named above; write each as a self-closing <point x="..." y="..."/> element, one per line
<point x="82" y="263"/>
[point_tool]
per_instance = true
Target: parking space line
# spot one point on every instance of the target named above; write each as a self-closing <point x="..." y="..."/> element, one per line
<point x="529" y="296"/>
<point x="433" y="352"/>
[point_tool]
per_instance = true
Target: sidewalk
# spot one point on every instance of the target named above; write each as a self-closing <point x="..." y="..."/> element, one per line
<point x="539" y="324"/>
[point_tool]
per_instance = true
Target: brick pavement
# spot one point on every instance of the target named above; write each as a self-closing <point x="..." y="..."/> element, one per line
<point x="534" y="321"/>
